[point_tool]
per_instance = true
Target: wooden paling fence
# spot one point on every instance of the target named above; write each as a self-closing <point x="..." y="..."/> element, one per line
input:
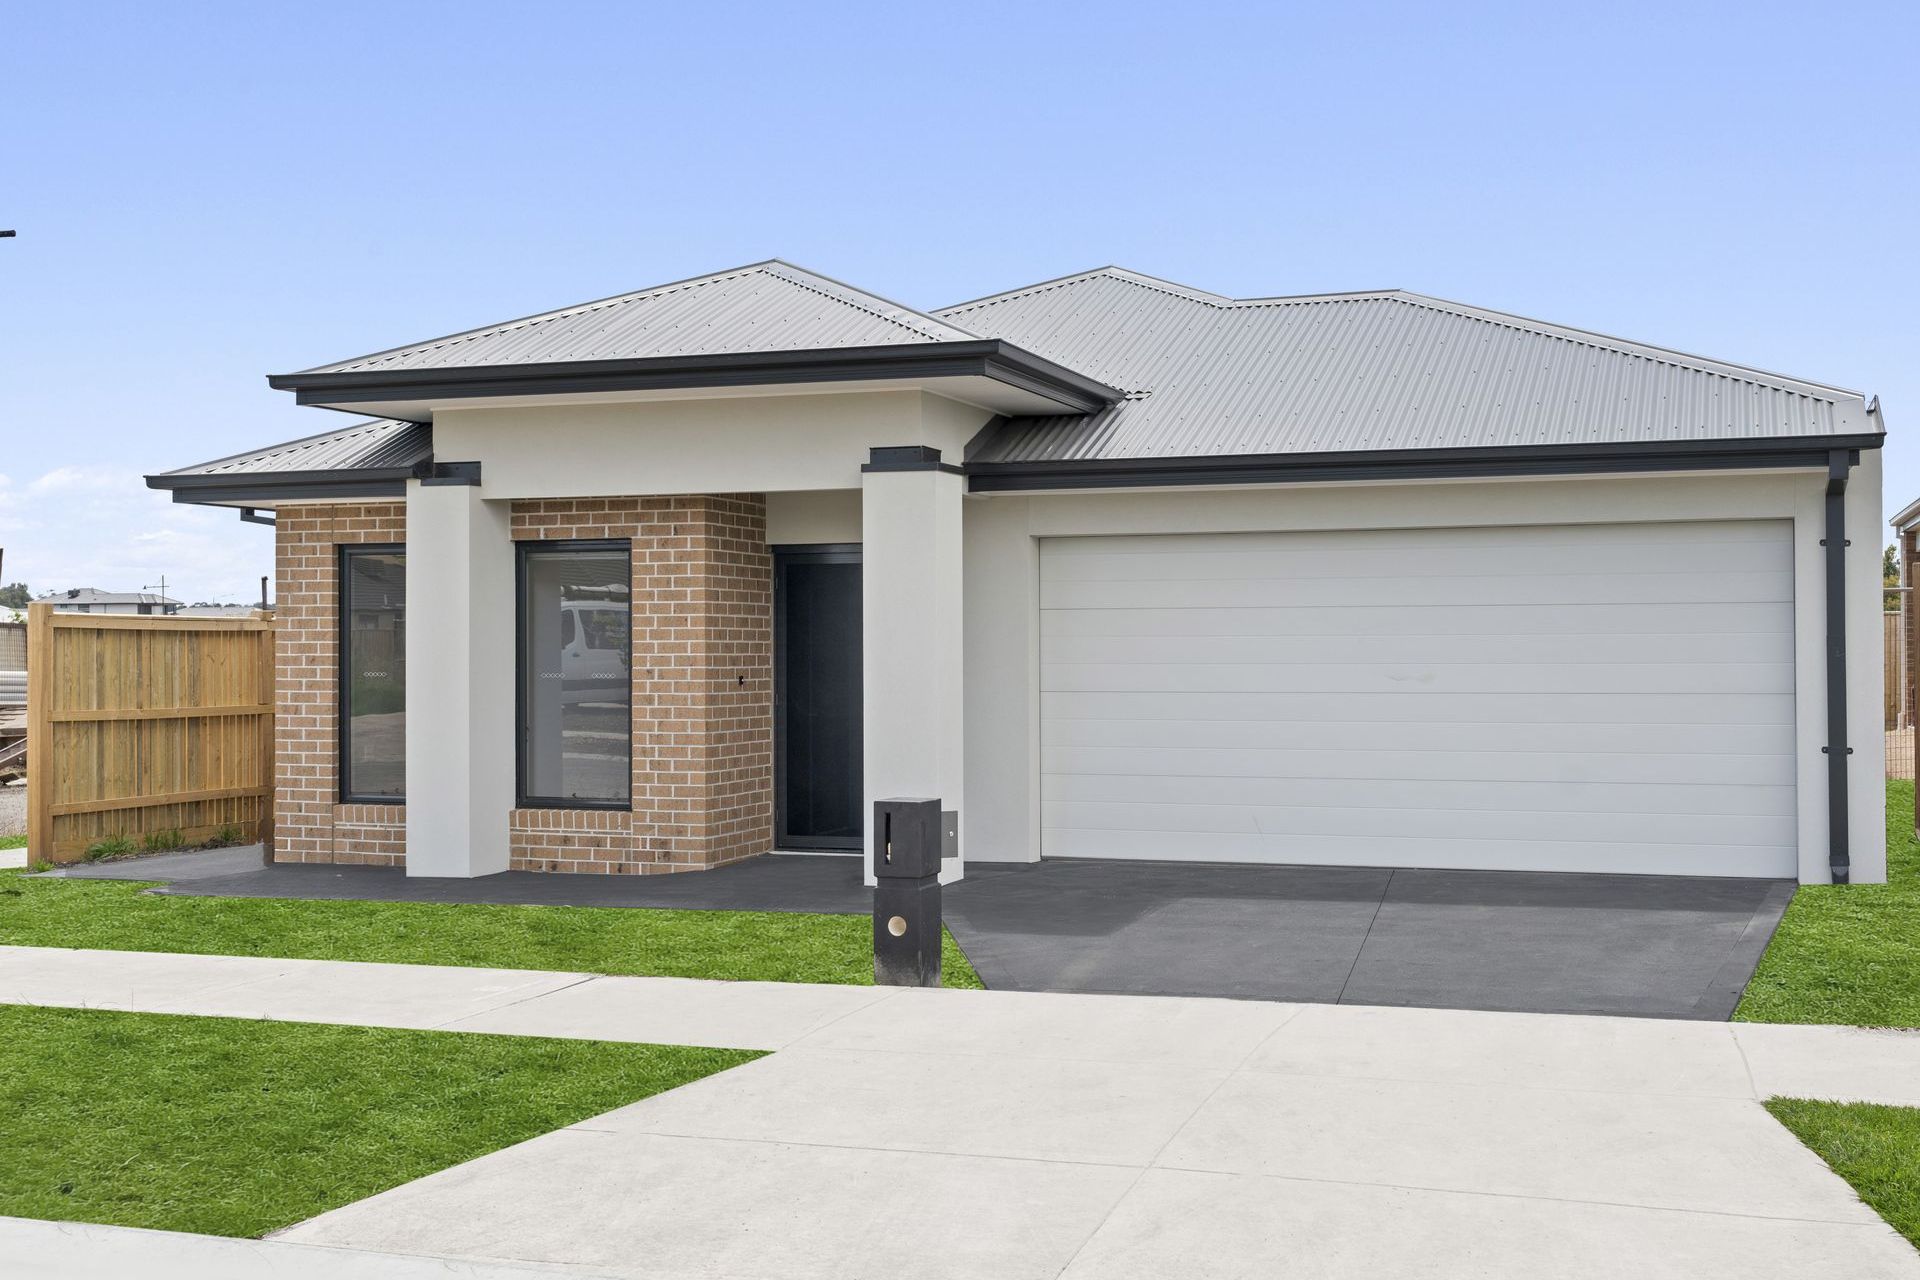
<point x="1899" y="709"/>
<point x="139" y="727"/>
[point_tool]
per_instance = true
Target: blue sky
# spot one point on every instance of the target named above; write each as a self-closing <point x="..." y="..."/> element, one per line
<point x="208" y="193"/>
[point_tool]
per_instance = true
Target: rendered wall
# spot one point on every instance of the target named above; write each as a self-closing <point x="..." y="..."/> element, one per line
<point x="1002" y="607"/>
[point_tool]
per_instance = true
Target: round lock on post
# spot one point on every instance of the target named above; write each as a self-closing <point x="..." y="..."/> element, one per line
<point x="897" y="926"/>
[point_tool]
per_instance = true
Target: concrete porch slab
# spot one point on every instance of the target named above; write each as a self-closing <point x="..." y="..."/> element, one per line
<point x="776" y="882"/>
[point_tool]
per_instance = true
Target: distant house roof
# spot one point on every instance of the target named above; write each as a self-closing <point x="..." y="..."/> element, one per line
<point x="1116" y="374"/>
<point x="93" y="595"/>
<point x="217" y="611"/>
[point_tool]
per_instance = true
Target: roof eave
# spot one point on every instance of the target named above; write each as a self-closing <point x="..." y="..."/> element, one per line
<point x="992" y="358"/>
<point x="269" y="487"/>
<point x="1415" y="464"/>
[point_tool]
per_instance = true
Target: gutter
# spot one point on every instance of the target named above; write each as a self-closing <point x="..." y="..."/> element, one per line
<point x="1413" y="464"/>
<point x="261" y="488"/>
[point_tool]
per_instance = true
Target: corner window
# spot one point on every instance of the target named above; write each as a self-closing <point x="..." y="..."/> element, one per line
<point x="373" y="674"/>
<point x="576" y="675"/>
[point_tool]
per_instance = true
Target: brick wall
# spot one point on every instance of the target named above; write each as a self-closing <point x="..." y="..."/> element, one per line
<point x="702" y="688"/>
<point x="310" y="824"/>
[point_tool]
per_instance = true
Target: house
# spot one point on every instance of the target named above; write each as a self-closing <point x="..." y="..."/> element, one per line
<point x="1115" y="567"/>
<point x="94" y="600"/>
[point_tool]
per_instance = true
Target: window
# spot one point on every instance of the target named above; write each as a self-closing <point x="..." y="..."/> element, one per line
<point x="576" y="675"/>
<point x="373" y="674"/>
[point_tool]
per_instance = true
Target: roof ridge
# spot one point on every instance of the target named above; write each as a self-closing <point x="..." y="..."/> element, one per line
<point x="1625" y="346"/>
<point x="778" y="268"/>
<point x="899" y="308"/>
<point x="1111" y="271"/>
<point x="540" y="317"/>
<point x="1525" y="324"/>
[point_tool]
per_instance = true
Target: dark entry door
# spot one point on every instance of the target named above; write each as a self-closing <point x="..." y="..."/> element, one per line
<point x="816" y="654"/>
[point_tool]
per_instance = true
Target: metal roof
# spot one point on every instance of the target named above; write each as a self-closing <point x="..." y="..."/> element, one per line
<point x="1207" y="376"/>
<point x="1197" y="377"/>
<point x="769" y="306"/>
<point x="380" y="445"/>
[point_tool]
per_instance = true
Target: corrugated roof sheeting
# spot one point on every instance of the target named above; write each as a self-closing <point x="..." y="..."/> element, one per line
<point x="771" y="306"/>
<point x="1211" y="377"/>
<point x="377" y="445"/>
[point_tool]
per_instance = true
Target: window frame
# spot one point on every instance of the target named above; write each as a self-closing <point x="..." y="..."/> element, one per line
<point x="343" y="683"/>
<point x="523" y="550"/>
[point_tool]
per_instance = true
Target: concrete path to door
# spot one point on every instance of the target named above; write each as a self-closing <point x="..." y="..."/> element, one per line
<point x="956" y="1135"/>
<point x="1649" y="946"/>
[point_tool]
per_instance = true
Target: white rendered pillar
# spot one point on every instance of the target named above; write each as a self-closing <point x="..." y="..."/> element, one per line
<point x="911" y="635"/>
<point x="460" y="681"/>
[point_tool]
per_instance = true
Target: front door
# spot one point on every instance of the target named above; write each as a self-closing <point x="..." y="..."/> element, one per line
<point x="817" y="709"/>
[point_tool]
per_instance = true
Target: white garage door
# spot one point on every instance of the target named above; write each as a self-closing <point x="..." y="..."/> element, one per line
<point x="1574" y="698"/>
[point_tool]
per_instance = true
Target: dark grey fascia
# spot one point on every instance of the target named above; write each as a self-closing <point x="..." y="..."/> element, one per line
<point x="1414" y="464"/>
<point x="263" y="488"/>
<point x="983" y="358"/>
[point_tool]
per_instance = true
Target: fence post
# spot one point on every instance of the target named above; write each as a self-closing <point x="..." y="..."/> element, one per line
<point x="39" y="732"/>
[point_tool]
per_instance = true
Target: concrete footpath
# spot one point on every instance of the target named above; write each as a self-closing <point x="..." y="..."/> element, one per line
<point x="1085" y="1136"/>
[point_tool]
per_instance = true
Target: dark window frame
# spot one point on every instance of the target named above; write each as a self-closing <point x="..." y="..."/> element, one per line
<point x="522" y="550"/>
<point x="343" y="683"/>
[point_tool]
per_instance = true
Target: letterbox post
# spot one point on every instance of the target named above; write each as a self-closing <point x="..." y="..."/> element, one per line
<point x="906" y="892"/>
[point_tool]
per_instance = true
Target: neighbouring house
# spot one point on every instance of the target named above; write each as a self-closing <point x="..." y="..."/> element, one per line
<point x="1115" y="567"/>
<point x="94" y="600"/>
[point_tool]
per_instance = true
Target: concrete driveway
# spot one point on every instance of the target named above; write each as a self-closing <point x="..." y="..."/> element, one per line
<point x="984" y="1134"/>
<point x="1647" y="946"/>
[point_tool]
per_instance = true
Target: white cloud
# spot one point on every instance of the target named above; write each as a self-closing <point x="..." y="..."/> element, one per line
<point x="102" y="527"/>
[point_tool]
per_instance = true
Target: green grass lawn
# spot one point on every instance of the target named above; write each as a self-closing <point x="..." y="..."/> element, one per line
<point x="237" y="1128"/>
<point x="13" y="842"/>
<point x="769" y="946"/>
<point x="1875" y="1148"/>
<point x="1849" y="953"/>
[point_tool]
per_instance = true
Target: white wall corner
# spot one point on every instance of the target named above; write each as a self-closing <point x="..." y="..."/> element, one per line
<point x="1866" y="674"/>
